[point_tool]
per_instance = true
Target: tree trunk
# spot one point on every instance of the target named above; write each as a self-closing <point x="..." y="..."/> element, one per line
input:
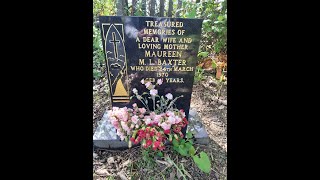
<point x="119" y="6"/>
<point x="152" y="7"/>
<point x="170" y="8"/>
<point x="178" y="8"/>
<point x="133" y="9"/>
<point x="143" y="7"/>
<point x="161" y="8"/>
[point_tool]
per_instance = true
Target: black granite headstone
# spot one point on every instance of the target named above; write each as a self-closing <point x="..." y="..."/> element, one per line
<point x="150" y="48"/>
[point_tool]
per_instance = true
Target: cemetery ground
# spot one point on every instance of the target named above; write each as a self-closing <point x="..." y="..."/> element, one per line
<point x="129" y="164"/>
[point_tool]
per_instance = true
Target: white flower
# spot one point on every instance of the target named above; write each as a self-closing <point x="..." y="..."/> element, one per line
<point x="148" y="84"/>
<point x="178" y="119"/>
<point x="169" y="96"/>
<point x="153" y="92"/>
<point x="134" y="90"/>
<point x="171" y="120"/>
<point x="142" y="81"/>
<point x="159" y="81"/>
<point x="148" y="120"/>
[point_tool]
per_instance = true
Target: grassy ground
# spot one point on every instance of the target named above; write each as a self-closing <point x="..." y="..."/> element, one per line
<point x="130" y="164"/>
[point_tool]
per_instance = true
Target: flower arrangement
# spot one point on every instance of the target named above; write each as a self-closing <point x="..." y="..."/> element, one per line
<point x="150" y="128"/>
<point x="153" y="128"/>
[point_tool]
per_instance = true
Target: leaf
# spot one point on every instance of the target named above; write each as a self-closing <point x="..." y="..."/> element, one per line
<point x="203" y="162"/>
<point x="182" y="150"/>
<point x="206" y="21"/>
<point x="160" y="154"/>
<point x="189" y="135"/>
<point x="203" y="54"/>
<point x="188" y="145"/>
<point x="191" y="14"/>
<point x="176" y="148"/>
<point x="192" y="151"/>
<point x="220" y="18"/>
<point x="175" y="142"/>
<point x="183" y="142"/>
<point x="214" y="65"/>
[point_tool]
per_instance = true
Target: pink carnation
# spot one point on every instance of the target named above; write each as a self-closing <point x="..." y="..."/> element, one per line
<point x="134" y="119"/>
<point x="147" y="120"/>
<point x="165" y="126"/>
<point x="170" y="113"/>
<point x="178" y="119"/>
<point x="152" y="115"/>
<point x="171" y="120"/>
<point x="142" y="110"/>
<point x="157" y="119"/>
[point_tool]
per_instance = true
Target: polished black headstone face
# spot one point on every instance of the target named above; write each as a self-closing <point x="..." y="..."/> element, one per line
<point x="150" y="48"/>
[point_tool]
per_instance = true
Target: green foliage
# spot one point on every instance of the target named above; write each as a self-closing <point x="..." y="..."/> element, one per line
<point x="203" y="162"/>
<point x="103" y="7"/>
<point x="214" y="65"/>
<point x="198" y="74"/>
<point x="214" y="28"/>
<point x="98" y="55"/>
<point x="160" y="154"/>
<point x="148" y="158"/>
<point x="110" y="178"/>
<point x="138" y="9"/>
<point x="203" y="54"/>
<point x="185" y="148"/>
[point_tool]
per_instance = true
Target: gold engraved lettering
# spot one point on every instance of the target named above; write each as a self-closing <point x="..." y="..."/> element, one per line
<point x="174" y="80"/>
<point x="141" y="62"/>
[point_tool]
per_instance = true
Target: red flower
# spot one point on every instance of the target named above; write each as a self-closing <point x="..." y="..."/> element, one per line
<point x="161" y="147"/>
<point x="142" y="134"/>
<point x="147" y="135"/>
<point x="159" y="134"/>
<point x="152" y="132"/>
<point x="156" y="144"/>
<point x="167" y="131"/>
<point x="148" y="143"/>
<point x="132" y="140"/>
<point x="185" y="121"/>
<point x="177" y="129"/>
